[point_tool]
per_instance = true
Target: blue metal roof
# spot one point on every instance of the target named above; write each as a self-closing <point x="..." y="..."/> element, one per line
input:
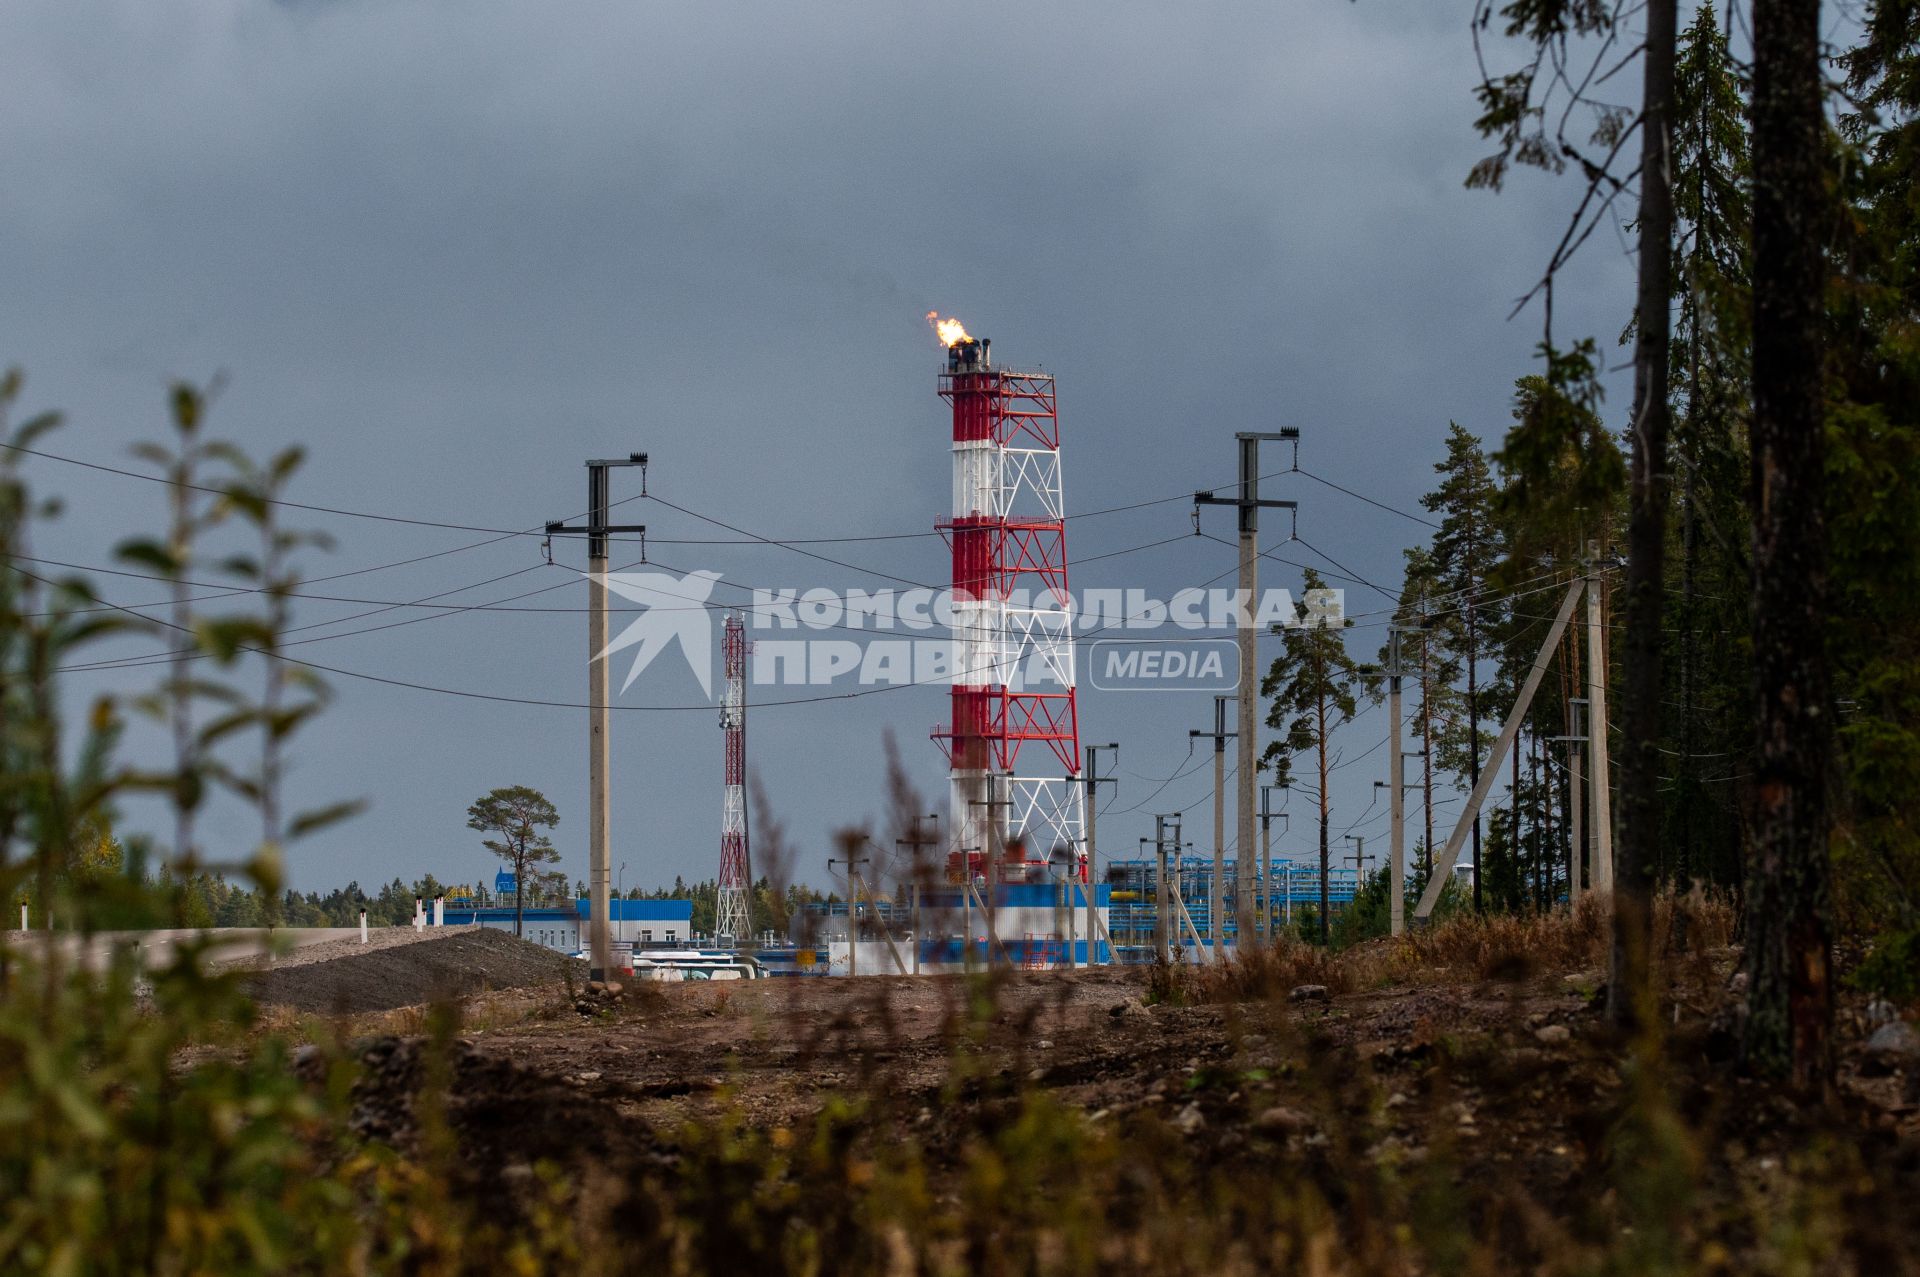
<point x="641" y="910"/>
<point x="461" y="915"/>
<point x="623" y="911"/>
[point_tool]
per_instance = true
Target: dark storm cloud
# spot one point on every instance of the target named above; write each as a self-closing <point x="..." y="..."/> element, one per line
<point x="454" y="248"/>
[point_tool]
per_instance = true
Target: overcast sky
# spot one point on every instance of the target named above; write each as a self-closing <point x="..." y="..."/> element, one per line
<point x="454" y="249"/>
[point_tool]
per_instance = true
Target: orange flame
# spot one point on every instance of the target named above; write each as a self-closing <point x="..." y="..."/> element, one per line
<point x="949" y="331"/>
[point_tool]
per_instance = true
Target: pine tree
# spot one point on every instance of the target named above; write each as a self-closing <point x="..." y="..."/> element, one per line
<point x="1314" y="688"/>
<point x="516" y="814"/>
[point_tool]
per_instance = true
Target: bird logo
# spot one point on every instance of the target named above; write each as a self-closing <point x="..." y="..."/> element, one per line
<point x="677" y="612"/>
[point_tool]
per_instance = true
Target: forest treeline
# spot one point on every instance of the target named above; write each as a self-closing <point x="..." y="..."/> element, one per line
<point x="212" y="899"/>
<point x="1751" y="518"/>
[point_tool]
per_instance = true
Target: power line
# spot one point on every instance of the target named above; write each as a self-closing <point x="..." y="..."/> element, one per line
<point x="450" y="609"/>
<point x="1349" y="571"/>
<point x="277" y="501"/>
<point x="1308" y="474"/>
<point x="750" y="538"/>
<point x="1178" y="772"/>
<point x="443" y="610"/>
<point x="437" y="609"/>
<point x="703" y="707"/>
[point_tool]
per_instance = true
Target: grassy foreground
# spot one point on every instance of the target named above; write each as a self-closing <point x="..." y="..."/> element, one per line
<point x="1448" y="1106"/>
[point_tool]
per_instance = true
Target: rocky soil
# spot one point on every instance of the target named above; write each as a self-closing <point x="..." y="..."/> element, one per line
<point x="343" y="978"/>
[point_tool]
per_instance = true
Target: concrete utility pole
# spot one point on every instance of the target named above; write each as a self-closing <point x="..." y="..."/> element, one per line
<point x="599" y="694"/>
<point x="966" y="908"/>
<point x="1161" y="896"/>
<point x="1093" y="780"/>
<point x="1180" y="907"/>
<point x="1267" y="817"/>
<point x="1396" y="768"/>
<point x="1443" y="863"/>
<point x="1217" y="886"/>
<point x="996" y="852"/>
<point x="1575" y="741"/>
<point x="886" y="923"/>
<point x="1360" y="857"/>
<point x="915" y="900"/>
<point x="914" y="842"/>
<point x="1159" y="891"/>
<point x="1397" y="844"/>
<point x="854" y="892"/>
<point x="1602" y="868"/>
<point x="1248" y="504"/>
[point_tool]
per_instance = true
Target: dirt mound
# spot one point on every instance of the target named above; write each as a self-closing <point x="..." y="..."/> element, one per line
<point x="466" y="961"/>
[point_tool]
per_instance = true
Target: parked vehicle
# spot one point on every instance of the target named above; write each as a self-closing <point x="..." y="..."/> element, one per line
<point x="675" y="965"/>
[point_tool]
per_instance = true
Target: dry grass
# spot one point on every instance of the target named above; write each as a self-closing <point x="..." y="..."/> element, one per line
<point x="1263" y="973"/>
<point x="1492" y="947"/>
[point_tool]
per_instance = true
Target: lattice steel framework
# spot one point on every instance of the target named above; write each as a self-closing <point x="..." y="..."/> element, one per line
<point x="1013" y="660"/>
<point x="733" y="922"/>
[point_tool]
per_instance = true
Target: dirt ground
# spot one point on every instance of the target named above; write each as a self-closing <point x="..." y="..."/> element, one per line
<point x="342" y="978"/>
<point x="1509" y="1078"/>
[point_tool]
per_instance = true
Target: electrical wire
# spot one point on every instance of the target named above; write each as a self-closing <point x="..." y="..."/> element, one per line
<point x="1178" y="772"/>
<point x="750" y="538"/>
<point x="275" y="501"/>
<point x="705" y="707"/>
<point x="442" y="609"/>
<point x="1369" y="500"/>
<point x="1349" y="571"/>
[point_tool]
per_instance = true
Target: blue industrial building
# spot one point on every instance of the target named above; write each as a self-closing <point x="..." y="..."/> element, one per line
<point x="1294" y="884"/>
<point x="563" y="925"/>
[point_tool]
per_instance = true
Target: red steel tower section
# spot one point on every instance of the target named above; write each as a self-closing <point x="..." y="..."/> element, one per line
<point x="1013" y="669"/>
<point x="732" y="922"/>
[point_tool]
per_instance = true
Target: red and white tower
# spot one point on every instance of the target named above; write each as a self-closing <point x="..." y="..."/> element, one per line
<point x="1013" y="667"/>
<point x="733" y="922"/>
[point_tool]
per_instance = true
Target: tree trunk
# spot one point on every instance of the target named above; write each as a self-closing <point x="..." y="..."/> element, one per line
<point x="519" y="895"/>
<point x="1638" y="851"/>
<point x="1789" y="930"/>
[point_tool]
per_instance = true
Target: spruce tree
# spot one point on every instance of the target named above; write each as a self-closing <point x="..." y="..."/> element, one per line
<point x="1873" y="500"/>
<point x="1707" y="686"/>
<point x="1466" y="549"/>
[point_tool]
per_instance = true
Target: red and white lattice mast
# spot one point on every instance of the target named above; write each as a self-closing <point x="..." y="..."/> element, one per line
<point x="732" y="922"/>
<point x="1013" y="668"/>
